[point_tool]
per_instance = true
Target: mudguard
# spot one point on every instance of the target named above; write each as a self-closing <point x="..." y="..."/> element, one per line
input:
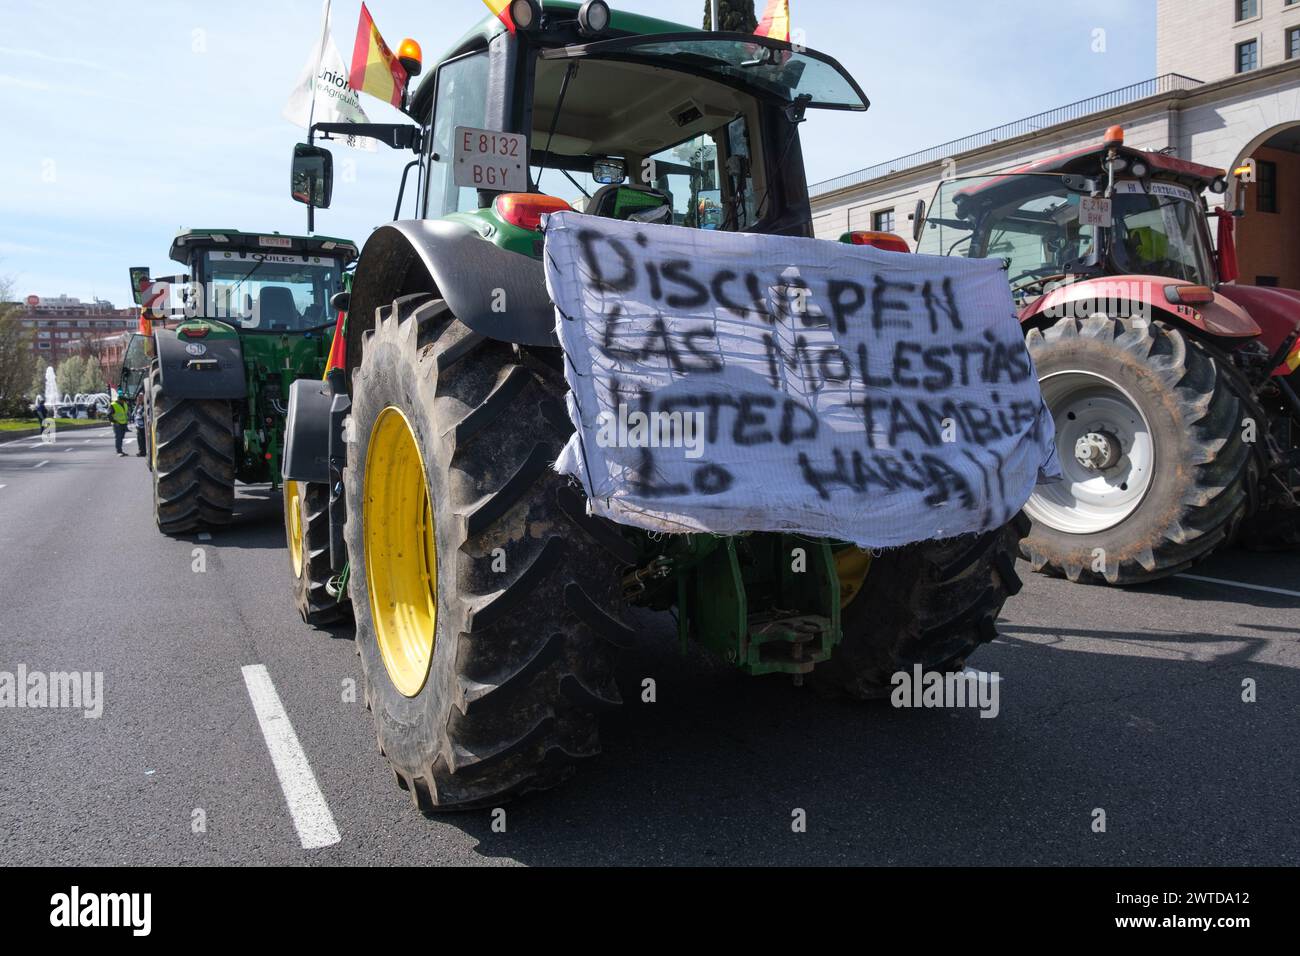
<point x="307" y="432"/>
<point x="1133" y="294"/>
<point x="215" y="372"/>
<point x="1276" y="310"/>
<point x="499" y="294"/>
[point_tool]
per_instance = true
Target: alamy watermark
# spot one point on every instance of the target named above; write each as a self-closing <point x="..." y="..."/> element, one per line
<point x="75" y="908"/>
<point x="53" y="690"/>
<point x="936" y="689"/>
<point x="636" y="429"/>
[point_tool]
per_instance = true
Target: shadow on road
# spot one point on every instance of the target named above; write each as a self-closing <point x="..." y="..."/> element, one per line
<point x="713" y="772"/>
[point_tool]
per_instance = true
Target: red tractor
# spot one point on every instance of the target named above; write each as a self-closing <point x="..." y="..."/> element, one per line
<point x="1173" y="390"/>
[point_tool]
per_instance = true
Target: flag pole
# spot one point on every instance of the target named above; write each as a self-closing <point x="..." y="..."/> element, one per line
<point x="311" y="109"/>
<point x="320" y="52"/>
<point x="714" y="16"/>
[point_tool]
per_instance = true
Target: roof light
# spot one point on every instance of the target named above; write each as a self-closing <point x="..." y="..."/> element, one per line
<point x="593" y="18"/>
<point x="1140" y="170"/>
<point x="1189" y="294"/>
<point x="525" y="210"/>
<point x="193" y="331"/>
<point x="411" y="57"/>
<point x="887" y="241"/>
<point x="525" y="14"/>
<point x="1114" y="136"/>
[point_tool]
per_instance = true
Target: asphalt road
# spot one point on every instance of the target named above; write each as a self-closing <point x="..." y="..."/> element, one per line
<point x="1130" y="702"/>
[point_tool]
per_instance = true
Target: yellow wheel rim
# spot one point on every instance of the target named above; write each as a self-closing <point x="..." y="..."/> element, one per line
<point x="401" y="553"/>
<point x="293" y="519"/>
<point x="852" y="566"/>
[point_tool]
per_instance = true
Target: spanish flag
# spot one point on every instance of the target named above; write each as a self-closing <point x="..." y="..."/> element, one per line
<point x="776" y="21"/>
<point x="502" y="10"/>
<point x="375" y="68"/>
<point x="1293" y="360"/>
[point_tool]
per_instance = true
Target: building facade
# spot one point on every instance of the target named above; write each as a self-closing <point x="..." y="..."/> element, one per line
<point x="63" y="326"/>
<point x="1221" y="119"/>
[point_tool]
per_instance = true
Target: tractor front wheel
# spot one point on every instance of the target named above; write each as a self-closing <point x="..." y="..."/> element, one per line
<point x="307" y="532"/>
<point x="930" y="604"/>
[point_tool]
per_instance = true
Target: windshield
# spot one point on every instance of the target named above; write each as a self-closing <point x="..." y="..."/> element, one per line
<point x="271" y="292"/>
<point x="1047" y="225"/>
<point x="756" y="63"/>
<point x="619" y="139"/>
<point x="1161" y="232"/>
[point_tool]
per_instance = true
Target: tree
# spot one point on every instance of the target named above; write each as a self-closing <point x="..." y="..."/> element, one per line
<point x="97" y="350"/>
<point x="17" y="362"/>
<point x="736" y="16"/>
<point x="70" y="374"/>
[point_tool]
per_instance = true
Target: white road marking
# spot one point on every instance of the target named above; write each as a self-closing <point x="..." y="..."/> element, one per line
<point x="311" y="814"/>
<point x="1239" y="584"/>
<point x="982" y="675"/>
<point x="39" y="463"/>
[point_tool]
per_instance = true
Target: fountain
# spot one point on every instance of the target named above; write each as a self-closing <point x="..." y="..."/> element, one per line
<point x="51" y="390"/>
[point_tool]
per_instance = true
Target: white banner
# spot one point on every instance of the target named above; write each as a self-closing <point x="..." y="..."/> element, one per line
<point x="723" y="382"/>
<point x="325" y="78"/>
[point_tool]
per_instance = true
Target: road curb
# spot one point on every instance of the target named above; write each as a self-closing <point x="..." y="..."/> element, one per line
<point x="20" y="434"/>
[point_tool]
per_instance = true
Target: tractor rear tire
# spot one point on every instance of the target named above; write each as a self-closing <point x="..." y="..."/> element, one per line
<point x="192" y="450"/>
<point x="1167" y="483"/>
<point x="931" y="604"/>
<point x="504" y="572"/>
<point x="307" y="533"/>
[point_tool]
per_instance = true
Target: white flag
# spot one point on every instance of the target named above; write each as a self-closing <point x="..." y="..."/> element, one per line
<point x="325" y="78"/>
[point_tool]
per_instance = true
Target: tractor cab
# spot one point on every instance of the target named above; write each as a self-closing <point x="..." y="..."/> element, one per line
<point x="261" y="283"/>
<point x="611" y="114"/>
<point x="1112" y="211"/>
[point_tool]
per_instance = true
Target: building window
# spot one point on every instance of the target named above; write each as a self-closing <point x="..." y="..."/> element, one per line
<point x="1247" y="9"/>
<point x="1265" y="186"/>
<point x="883" y="221"/>
<point x="1293" y="43"/>
<point x="42" y="345"/>
<point x="1247" y="56"/>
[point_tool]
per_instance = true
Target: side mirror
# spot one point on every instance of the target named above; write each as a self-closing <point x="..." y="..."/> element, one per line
<point x="140" y="284"/>
<point x="340" y="301"/>
<point x="918" y="220"/>
<point x="311" y="180"/>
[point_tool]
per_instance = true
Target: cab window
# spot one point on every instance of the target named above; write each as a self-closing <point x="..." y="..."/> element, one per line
<point x="461" y="100"/>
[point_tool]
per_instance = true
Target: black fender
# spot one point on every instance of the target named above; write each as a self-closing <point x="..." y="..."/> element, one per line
<point x="315" y="447"/>
<point x="497" y="293"/>
<point x="307" y="432"/>
<point x="216" y="372"/>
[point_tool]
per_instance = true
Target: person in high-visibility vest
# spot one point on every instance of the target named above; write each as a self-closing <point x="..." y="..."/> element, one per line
<point x="119" y="413"/>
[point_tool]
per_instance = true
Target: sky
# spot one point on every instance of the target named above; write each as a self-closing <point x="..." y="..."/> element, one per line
<point x="128" y="121"/>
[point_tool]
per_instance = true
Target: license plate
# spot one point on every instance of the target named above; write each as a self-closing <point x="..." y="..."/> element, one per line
<point x="1095" y="212"/>
<point x="487" y="159"/>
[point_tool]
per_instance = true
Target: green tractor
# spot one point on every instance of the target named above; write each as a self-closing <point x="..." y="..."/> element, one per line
<point x="218" y="350"/>
<point x="486" y="592"/>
